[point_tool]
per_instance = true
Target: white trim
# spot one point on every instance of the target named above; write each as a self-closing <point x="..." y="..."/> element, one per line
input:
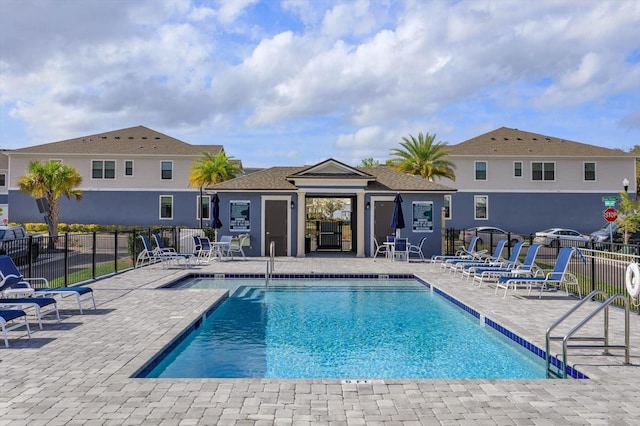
<point x="104" y="161"/>
<point x="521" y="169"/>
<point x="475" y="171"/>
<point x="448" y="196"/>
<point x="475" y="197"/>
<point x="124" y="169"/>
<point x="555" y="171"/>
<point x="172" y="170"/>
<point x="595" y="171"/>
<point x="198" y="206"/>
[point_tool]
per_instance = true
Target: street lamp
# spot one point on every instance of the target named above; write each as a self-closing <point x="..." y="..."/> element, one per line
<point x="625" y="184"/>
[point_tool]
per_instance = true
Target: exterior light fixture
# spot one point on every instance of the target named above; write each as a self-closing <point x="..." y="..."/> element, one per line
<point x="625" y="184"/>
<point x="367" y="206"/>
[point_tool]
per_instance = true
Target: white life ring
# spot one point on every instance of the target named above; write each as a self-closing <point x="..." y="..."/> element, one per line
<point x="632" y="279"/>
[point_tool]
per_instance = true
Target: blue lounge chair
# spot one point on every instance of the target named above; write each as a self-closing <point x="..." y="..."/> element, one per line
<point x="40" y="286"/>
<point x="161" y="250"/>
<point x="458" y="264"/>
<point x="13" y="316"/>
<point x="469" y="270"/>
<point x="37" y="303"/>
<point x="462" y="253"/>
<point x="559" y="277"/>
<point x="165" y="258"/>
<point x="527" y="268"/>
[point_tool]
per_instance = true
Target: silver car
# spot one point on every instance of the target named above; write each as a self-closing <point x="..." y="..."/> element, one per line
<point x="488" y="234"/>
<point x="561" y="237"/>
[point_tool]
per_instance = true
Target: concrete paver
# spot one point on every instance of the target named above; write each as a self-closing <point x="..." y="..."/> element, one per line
<point x="79" y="371"/>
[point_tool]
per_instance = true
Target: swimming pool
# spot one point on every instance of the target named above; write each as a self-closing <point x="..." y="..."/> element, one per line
<point x="319" y="328"/>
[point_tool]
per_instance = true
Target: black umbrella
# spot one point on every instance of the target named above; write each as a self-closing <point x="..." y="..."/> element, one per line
<point x="215" y="212"/>
<point x="397" y="219"/>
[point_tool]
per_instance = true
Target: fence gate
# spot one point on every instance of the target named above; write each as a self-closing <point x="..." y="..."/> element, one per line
<point x="329" y="235"/>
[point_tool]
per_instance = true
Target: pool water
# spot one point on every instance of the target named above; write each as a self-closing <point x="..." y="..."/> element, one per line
<point x="370" y="329"/>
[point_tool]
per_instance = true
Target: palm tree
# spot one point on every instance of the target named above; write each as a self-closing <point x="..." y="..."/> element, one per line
<point x="51" y="180"/>
<point x="423" y="157"/>
<point x="211" y="169"/>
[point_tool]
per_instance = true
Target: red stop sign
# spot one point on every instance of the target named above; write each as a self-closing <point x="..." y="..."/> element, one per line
<point x="610" y="214"/>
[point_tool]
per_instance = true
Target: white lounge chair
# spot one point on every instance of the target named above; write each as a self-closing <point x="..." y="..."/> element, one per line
<point x="10" y="319"/>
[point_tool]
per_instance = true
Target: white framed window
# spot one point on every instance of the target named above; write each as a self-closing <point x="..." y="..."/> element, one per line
<point x="480" y="170"/>
<point x="481" y="207"/>
<point x="103" y="169"/>
<point x="166" y="170"/>
<point x="128" y="168"/>
<point x="166" y="207"/>
<point x="203" y="204"/>
<point x="542" y="171"/>
<point x="590" y="171"/>
<point x="447" y="207"/>
<point x="517" y="169"/>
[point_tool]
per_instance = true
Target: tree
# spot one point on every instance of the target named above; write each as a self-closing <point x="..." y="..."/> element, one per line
<point x="628" y="217"/>
<point x="423" y="156"/>
<point x="51" y="180"/>
<point x="368" y="162"/>
<point x="211" y="169"/>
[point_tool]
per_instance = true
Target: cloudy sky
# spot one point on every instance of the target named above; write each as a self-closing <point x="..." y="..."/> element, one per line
<point x="293" y="82"/>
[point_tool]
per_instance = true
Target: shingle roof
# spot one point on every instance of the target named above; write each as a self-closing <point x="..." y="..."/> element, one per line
<point x="509" y="142"/>
<point x="138" y="140"/>
<point x="276" y="179"/>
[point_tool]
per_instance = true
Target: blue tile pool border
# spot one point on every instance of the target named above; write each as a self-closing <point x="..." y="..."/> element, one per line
<point x="148" y="367"/>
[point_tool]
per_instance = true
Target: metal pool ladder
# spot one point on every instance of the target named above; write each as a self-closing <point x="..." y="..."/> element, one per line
<point x="602" y="342"/>
<point x="270" y="262"/>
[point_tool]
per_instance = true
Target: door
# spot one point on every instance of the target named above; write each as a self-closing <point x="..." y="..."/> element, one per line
<point x="276" y="226"/>
<point x="383" y="210"/>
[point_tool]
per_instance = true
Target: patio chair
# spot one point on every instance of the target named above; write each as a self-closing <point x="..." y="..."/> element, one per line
<point x="40" y="286"/>
<point x="413" y="249"/>
<point x="165" y="258"/>
<point x="462" y="253"/>
<point x="456" y="265"/>
<point x="161" y="250"/>
<point x="470" y="269"/>
<point x="379" y="249"/>
<point x="515" y="269"/>
<point x="13" y="316"/>
<point x="204" y="249"/>
<point x="37" y="303"/>
<point x="235" y="245"/>
<point x="559" y="277"/>
<point x="400" y="249"/>
<point x="224" y="245"/>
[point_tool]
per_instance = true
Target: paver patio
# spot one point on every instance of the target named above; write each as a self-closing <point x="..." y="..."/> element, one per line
<point x="79" y="372"/>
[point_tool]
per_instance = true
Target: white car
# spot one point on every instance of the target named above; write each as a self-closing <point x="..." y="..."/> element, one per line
<point x="489" y="233"/>
<point x="561" y="237"/>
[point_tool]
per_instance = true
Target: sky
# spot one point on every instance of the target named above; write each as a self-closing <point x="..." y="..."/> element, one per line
<point x="294" y="82"/>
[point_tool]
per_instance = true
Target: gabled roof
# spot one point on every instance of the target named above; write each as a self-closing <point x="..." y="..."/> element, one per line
<point x="378" y="178"/>
<point x="138" y="140"/>
<point x="513" y="142"/>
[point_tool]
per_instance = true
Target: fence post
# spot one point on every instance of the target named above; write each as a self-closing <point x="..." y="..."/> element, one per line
<point x="66" y="259"/>
<point x="93" y="255"/>
<point x="115" y="251"/>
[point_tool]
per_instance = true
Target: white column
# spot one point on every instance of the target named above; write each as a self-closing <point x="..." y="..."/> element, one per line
<point x="302" y="217"/>
<point x="360" y="224"/>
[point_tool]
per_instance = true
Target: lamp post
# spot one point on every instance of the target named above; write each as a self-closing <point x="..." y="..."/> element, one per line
<point x="625" y="184"/>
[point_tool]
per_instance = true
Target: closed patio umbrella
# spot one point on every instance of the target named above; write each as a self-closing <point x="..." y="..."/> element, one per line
<point x="397" y="219"/>
<point x="215" y="212"/>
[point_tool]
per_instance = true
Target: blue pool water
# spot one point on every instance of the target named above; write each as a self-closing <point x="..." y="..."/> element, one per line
<point x="358" y="329"/>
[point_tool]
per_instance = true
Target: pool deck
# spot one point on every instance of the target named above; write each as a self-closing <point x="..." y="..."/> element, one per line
<point x="78" y="372"/>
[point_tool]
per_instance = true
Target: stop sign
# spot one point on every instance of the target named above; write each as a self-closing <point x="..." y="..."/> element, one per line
<point x="610" y="214"/>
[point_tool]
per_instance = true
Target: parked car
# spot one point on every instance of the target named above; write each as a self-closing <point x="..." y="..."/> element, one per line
<point x="488" y="234"/>
<point x="603" y="235"/>
<point x="14" y="241"/>
<point x="561" y="237"/>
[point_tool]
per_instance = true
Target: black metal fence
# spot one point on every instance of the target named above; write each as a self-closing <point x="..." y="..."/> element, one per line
<point x="70" y="259"/>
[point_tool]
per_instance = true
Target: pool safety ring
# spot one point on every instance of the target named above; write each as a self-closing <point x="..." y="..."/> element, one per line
<point x="632" y="279"/>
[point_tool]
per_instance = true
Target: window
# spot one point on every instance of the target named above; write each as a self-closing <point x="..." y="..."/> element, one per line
<point x="481" y="170"/>
<point x="128" y="167"/>
<point x="447" y="207"/>
<point x="481" y="207"/>
<point x="166" y="168"/>
<point x="204" y="207"/>
<point x="166" y="207"/>
<point x="103" y="169"/>
<point x="517" y="169"/>
<point x="589" y="171"/>
<point x="3" y="179"/>
<point x="543" y="171"/>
